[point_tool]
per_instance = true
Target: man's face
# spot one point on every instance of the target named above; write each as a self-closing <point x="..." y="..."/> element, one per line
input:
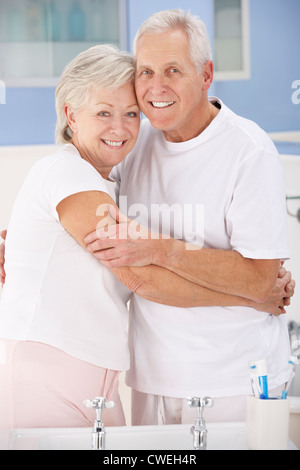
<point x="169" y="89"/>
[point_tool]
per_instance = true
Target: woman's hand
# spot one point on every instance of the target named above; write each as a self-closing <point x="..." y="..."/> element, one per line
<point x="2" y="257"/>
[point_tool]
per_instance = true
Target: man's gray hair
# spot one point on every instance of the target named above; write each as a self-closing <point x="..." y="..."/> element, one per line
<point x="164" y="21"/>
<point x="102" y="66"/>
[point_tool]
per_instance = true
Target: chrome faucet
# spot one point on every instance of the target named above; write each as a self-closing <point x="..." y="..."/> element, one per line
<point x="199" y="430"/>
<point x="294" y="333"/>
<point x="98" y="432"/>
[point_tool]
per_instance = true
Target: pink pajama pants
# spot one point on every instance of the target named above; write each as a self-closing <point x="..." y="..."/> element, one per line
<point x="41" y="386"/>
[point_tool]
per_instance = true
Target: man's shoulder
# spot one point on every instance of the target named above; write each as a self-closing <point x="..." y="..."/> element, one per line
<point x="147" y="129"/>
<point x="147" y="135"/>
<point x="249" y="131"/>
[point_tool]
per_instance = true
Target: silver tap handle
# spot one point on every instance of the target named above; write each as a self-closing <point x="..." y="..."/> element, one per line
<point x="109" y="404"/>
<point x="98" y="403"/>
<point x="200" y="403"/>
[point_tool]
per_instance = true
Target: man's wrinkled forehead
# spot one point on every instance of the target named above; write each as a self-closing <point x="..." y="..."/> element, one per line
<point x="162" y="49"/>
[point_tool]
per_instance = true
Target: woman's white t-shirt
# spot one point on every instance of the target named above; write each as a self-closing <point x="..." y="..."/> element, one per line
<point x="225" y="190"/>
<point x="56" y="292"/>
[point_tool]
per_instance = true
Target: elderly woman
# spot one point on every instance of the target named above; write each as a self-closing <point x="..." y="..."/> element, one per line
<point x="63" y="315"/>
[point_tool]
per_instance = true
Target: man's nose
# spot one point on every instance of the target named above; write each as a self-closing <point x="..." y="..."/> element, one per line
<point x="159" y="83"/>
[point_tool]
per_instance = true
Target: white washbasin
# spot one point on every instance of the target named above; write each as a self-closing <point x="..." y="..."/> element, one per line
<point x="221" y="436"/>
<point x="150" y="438"/>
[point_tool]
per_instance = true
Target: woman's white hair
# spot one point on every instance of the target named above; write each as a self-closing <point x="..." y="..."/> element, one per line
<point x="164" y="21"/>
<point x="102" y="66"/>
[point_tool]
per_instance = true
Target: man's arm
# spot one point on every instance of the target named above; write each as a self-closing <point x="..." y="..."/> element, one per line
<point x="219" y="270"/>
<point x="78" y="212"/>
<point x="164" y="287"/>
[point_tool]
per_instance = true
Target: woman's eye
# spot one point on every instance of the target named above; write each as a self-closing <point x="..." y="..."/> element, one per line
<point x="103" y="113"/>
<point x="132" y="114"/>
<point x="174" y="70"/>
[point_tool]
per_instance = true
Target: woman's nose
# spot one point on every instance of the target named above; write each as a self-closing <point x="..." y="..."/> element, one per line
<point x="118" y="125"/>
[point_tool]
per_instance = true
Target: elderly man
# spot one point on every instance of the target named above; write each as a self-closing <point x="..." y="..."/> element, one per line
<point x="196" y="152"/>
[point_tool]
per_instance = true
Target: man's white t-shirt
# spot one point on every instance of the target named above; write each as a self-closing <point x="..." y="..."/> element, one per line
<point x="56" y="292"/>
<point x="227" y="187"/>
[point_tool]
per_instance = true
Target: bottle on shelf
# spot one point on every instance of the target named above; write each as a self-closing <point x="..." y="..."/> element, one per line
<point x="36" y="21"/>
<point x="54" y="22"/>
<point x="76" y="22"/>
<point x="97" y="21"/>
<point x="14" y="25"/>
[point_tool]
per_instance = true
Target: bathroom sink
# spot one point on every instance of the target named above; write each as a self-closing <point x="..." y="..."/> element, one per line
<point x="221" y="436"/>
<point x="152" y="438"/>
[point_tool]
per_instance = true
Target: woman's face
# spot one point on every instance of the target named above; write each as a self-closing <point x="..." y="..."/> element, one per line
<point x="106" y="129"/>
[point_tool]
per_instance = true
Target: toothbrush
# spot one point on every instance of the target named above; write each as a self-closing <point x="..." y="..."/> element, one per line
<point x="259" y="369"/>
<point x="255" y="384"/>
<point x="292" y="362"/>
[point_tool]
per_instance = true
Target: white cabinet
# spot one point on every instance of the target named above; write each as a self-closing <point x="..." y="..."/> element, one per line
<point x="39" y="37"/>
<point x="231" y="40"/>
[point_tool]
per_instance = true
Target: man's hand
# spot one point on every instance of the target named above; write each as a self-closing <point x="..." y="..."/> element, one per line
<point x="127" y="243"/>
<point x="288" y="283"/>
<point x="2" y="257"/>
<point x="281" y="295"/>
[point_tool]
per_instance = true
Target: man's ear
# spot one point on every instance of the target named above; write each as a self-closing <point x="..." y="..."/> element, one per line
<point x="208" y="74"/>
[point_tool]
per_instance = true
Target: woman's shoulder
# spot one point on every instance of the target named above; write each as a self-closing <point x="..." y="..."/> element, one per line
<point x="65" y="160"/>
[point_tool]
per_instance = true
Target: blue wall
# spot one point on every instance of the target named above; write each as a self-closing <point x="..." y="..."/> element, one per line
<point x="275" y="64"/>
<point x="139" y="11"/>
<point x="29" y="115"/>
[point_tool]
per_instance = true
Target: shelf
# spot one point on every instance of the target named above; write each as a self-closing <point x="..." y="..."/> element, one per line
<point x="231" y="43"/>
<point x="39" y="37"/>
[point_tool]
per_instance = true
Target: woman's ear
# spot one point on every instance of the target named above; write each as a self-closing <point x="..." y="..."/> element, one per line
<point x="70" y="115"/>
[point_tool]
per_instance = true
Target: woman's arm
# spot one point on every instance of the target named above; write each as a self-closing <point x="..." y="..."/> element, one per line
<point x="83" y="213"/>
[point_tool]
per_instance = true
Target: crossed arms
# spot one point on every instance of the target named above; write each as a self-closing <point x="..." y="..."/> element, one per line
<point x="164" y="270"/>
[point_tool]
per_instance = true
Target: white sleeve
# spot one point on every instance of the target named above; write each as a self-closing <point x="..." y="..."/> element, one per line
<point x="67" y="176"/>
<point x="256" y="219"/>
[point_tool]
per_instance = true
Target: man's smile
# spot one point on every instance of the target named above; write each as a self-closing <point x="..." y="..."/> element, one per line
<point x="162" y="104"/>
